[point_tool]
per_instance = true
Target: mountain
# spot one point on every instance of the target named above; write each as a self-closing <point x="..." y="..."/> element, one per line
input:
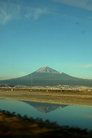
<point x="47" y="70"/>
<point x="47" y="76"/>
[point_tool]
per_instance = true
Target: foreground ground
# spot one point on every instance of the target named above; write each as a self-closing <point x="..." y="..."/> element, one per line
<point x="50" y="96"/>
<point x="15" y="125"/>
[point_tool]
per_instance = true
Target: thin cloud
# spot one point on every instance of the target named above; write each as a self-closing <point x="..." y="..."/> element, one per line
<point x="35" y="13"/>
<point x="14" y="10"/>
<point x="84" y="4"/>
<point x="86" y="66"/>
<point x="78" y="66"/>
<point x="10" y="11"/>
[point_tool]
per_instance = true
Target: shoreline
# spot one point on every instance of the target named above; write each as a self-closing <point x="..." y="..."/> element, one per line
<point x="56" y="98"/>
<point x="17" y="125"/>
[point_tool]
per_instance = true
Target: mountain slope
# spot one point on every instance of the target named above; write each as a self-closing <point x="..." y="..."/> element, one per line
<point x="47" y="76"/>
<point x="47" y="69"/>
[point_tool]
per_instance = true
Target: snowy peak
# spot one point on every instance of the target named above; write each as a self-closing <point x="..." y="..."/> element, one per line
<point x="47" y="70"/>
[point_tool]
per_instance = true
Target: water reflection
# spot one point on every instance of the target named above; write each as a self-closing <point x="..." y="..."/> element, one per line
<point x="71" y="115"/>
<point x="45" y="108"/>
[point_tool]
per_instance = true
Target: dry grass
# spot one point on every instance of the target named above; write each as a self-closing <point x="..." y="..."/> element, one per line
<point x="59" y="97"/>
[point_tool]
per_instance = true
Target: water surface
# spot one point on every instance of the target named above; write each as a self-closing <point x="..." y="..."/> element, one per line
<point x="72" y="115"/>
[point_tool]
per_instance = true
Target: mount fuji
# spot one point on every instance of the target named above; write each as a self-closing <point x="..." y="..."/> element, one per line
<point x="46" y="76"/>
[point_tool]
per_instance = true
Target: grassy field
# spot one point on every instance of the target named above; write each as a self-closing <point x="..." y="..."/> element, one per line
<point x="50" y="96"/>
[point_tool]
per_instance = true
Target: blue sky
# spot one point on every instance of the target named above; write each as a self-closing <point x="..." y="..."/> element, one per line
<point x="36" y="33"/>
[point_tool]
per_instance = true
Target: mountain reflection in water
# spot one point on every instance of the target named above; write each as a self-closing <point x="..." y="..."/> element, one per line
<point x="71" y="115"/>
<point x="45" y="107"/>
